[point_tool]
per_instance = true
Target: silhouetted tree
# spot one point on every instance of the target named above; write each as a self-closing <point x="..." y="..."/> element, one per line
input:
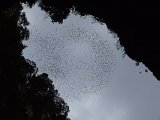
<point x="24" y="95"/>
<point x="46" y="104"/>
<point x="57" y="9"/>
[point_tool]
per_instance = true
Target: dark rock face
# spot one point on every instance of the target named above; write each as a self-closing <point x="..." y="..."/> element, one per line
<point x="136" y="23"/>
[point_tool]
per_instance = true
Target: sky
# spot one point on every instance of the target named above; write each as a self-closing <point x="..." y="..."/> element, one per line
<point x="96" y="79"/>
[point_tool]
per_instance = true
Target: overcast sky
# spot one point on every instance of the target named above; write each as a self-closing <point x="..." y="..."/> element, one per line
<point x="94" y="77"/>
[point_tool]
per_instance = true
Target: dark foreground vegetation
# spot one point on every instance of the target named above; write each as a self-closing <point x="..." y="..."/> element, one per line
<point x="24" y="95"/>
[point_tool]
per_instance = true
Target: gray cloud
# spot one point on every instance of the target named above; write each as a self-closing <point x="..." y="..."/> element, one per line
<point x="129" y="96"/>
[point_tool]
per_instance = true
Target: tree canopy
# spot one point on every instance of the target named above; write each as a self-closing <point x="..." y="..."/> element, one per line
<point x="24" y="95"/>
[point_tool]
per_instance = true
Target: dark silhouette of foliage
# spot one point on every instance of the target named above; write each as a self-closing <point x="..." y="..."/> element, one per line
<point x="24" y="95"/>
<point x="46" y="104"/>
<point x="57" y="9"/>
<point x="29" y="3"/>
